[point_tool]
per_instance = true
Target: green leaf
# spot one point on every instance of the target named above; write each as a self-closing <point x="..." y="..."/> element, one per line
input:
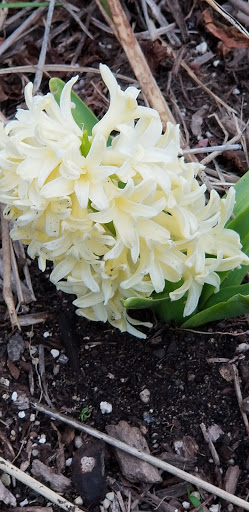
<point x="166" y="310"/>
<point x="106" y="7"/>
<point x="227" y="293"/>
<point x="235" y="306"/>
<point x="82" y="115"/>
<point x="242" y="193"/>
<point x="143" y="303"/>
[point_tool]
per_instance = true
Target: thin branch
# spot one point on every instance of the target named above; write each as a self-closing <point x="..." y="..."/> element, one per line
<point x="38" y="487"/>
<point x="210" y="149"/>
<point x="15" y="35"/>
<point x="165" y="466"/>
<point x="76" y="18"/>
<point x="7" y="290"/>
<point x="239" y="397"/>
<point x="43" y="52"/>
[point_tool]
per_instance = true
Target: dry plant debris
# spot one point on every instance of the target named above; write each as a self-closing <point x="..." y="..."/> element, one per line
<point x="193" y="63"/>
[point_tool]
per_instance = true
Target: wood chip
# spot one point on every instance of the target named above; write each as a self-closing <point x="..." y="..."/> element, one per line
<point x="59" y="483"/>
<point x="231" y="479"/>
<point x="133" y="469"/>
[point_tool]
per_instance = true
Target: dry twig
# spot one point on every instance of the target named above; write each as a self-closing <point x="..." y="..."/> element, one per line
<point x="16" y="34"/>
<point x="43" y="52"/>
<point x="38" y="487"/>
<point x="239" y="397"/>
<point x="144" y="456"/>
<point x="7" y="291"/>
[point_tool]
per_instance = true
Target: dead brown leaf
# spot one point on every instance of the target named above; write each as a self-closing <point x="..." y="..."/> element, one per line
<point x="230" y="37"/>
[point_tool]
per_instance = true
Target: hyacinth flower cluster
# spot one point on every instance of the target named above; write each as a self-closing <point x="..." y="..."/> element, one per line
<point x="117" y="220"/>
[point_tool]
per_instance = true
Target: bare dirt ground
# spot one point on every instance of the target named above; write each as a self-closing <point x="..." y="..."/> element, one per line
<point x="180" y="389"/>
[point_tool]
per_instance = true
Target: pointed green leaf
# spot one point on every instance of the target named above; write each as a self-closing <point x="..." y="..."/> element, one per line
<point x="226" y="293"/>
<point x="242" y="194"/>
<point x="235" y="306"/>
<point x="82" y="115"/>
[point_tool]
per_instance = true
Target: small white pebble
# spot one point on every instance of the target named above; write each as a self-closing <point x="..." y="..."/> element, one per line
<point x="145" y="395"/>
<point x="216" y="63"/>
<point x="202" y="47"/>
<point x="5" y="479"/>
<point x="78" y="501"/>
<point x="242" y="347"/>
<point x="32" y="417"/>
<point x="5" y="382"/>
<point x="105" y="407"/>
<point x="236" y="91"/>
<point x="68" y="462"/>
<point x="110" y="496"/>
<point x="214" y="508"/>
<point x="54" y="352"/>
<point x="106" y="503"/>
<point x="35" y="452"/>
<point x="46" y="334"/>
<point x="42" y="439"/>
<point x="21" y="414"/>
<point x="14" y="396"/>
<point x="78" y="442"/>
<point x="186" y="505"/>
<point x="23" y="503"/>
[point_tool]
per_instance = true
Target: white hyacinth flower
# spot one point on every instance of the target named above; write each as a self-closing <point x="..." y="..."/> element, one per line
<point x="120" y="220"/>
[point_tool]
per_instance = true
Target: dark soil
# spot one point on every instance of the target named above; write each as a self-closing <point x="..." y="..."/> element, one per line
<point x="186" y="373"/>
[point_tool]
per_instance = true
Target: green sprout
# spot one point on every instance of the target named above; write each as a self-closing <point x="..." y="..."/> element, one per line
<point x="85" y="414"/>
<point x="194" y="500"/>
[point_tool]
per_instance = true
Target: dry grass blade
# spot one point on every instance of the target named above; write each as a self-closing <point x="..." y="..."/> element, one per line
<point x="228" y="17"/>
<point x="7" y="291"/>
<point x="16" y="34"/>
<point x="165" y="466"/>
<point x="42" y="56"/>
<point x="38" y="487"/>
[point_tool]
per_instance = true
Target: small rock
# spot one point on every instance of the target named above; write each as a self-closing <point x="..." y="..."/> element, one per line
<point x="78" y="442"/>
<point x="24" y="503"/>
<point x="202" y="47"/>
<point x="105" y="407"/>
<point x="15" y="347"/>
<point x="186" y="505"/>
<point x="110" y="496"/>
<point x="5" y="479"/>
<point x="42" y="439"/>
<point x="54" y="353"/>
<point x="78" y="501"/>
<point x="145" y="395"/>
<point x="62" y="359"/>
<point x="242" y="347"/>
<point x="21" y="414"/>
<point x="88" y="472"/>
